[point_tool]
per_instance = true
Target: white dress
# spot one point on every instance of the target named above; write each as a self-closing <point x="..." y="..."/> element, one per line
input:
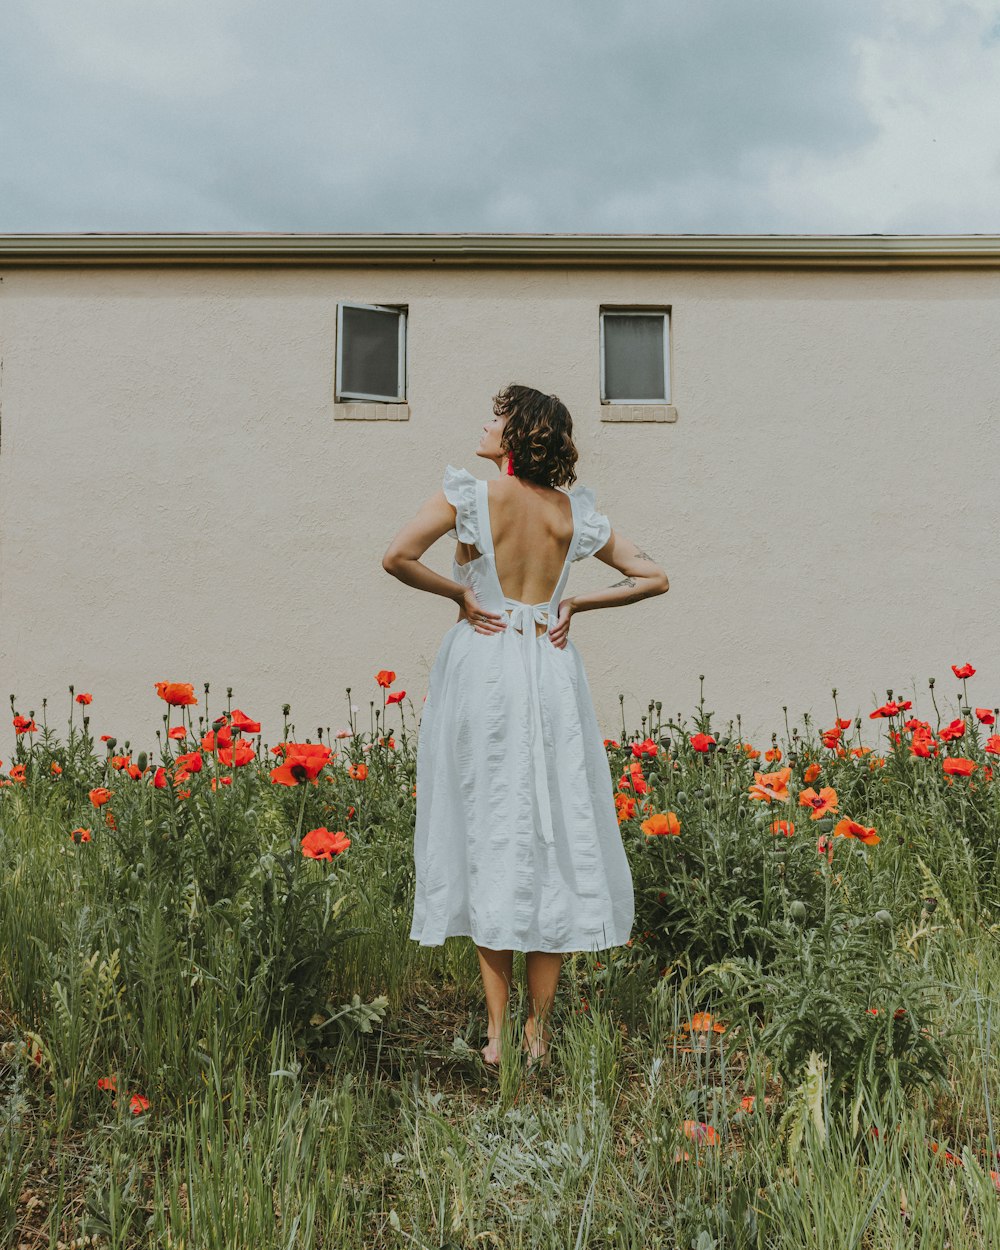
<point x="516" y="842"/>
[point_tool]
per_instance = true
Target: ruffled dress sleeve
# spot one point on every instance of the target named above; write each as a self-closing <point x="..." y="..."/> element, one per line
<point x="593" y="527"/>
<point x="460" y="490"/>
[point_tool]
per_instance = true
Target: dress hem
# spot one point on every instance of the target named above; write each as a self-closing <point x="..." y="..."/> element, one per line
<point x="512" y="946"/>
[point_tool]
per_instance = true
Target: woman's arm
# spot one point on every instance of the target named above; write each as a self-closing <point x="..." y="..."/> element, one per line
<point x="402" y="557"/>
<point x="643" y="578"/>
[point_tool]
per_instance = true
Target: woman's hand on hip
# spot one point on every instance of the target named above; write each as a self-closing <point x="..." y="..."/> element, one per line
<point x="559" y="632"/>
<point x="481" y="619"/>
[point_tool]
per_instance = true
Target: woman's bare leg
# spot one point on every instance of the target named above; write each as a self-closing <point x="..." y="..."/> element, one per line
<point x="542" y="971"/>
<point x="497" y="968"/>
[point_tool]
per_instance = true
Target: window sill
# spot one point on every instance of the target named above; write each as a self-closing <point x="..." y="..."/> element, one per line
<point x="365" y="410"/>
<point x="638" y="412"/>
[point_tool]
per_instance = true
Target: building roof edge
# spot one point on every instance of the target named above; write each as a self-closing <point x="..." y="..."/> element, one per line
<point x="733" y="250"/>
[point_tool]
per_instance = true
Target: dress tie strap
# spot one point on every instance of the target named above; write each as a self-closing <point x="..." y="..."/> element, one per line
<point x="523" y="617"/>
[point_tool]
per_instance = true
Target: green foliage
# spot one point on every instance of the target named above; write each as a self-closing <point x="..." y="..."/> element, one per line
<point x="843" y="989"/>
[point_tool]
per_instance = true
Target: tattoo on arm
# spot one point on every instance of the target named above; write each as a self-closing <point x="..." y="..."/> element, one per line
<point x="630" y="581"/>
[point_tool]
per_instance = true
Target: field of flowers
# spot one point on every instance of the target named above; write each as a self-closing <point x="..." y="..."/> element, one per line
<point x="216" y="1033"/>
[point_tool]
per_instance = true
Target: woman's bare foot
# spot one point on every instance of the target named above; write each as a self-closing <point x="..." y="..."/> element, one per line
<point x="536" y="1045"/>
<point x="491" y="1052"/>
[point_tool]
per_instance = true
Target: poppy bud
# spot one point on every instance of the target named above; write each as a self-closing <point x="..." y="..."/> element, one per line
<point x="112" y="743"/>
<point x="682" y="798"/>
<point x="930" y="905"/>
<point x="699" y="794"/>
<point x="141" y="760"/>
<point x="797" y="911"/>
<point x="883" y="917"/>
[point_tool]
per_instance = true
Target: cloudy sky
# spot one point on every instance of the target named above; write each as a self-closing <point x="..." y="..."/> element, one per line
<point x="693" y="116"/>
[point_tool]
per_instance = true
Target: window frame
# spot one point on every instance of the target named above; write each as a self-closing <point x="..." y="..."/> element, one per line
<point x="665" y="312"/>
<point x="342" y="396"/>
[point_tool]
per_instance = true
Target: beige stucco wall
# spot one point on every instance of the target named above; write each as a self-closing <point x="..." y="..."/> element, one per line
<point x="178" y="503"/>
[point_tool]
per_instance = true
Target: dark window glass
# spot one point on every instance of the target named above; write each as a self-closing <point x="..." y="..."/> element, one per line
<point x="370" y="353"/>
<point x="633" y="357"/>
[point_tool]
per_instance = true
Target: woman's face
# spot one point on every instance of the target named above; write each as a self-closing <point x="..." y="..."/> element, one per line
<point x="489" y="442"/>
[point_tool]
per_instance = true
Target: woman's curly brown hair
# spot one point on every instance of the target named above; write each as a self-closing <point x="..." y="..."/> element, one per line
<point x="538" y="433"/>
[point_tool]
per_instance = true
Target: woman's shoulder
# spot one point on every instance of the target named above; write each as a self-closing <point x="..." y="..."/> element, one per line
<point x="459" y="488"/>
<point x="593" y="526"/>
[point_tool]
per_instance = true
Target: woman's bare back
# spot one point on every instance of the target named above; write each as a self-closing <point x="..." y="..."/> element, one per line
<point x="532" y="529"/>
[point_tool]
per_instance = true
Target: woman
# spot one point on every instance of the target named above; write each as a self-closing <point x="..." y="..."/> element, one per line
<point x="516" y="843"/>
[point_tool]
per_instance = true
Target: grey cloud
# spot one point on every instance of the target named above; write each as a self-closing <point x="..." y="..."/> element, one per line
<point x="570" y="115"/>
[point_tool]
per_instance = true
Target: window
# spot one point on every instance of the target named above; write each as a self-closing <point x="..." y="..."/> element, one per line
<point x="371" y="353"/>
<point x="635" y="357"/>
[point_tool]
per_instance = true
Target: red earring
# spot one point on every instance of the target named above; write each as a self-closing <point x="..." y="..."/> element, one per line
<point x="510" y="465"/>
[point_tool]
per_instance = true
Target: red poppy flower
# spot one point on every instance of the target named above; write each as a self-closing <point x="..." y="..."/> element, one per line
<point x="176" y="693"/>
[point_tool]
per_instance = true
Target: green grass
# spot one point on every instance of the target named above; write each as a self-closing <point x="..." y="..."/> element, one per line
<point x="313" y="1077"/>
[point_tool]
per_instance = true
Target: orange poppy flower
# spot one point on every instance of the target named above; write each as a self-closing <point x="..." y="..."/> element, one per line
<point x="304" y="761"/>
<point x="239" y="755"/>
<point x="323" y="843"/>
<point x="661" y="823"/>
<point x="176" y="693"/>
<point x="626" y="807"/>
<point x="771" y="787"/>
<point x="825" y="801"/>
<point x="100" y="795"/>
<point x="851" y="829"/>
<point x="959" y="766"/>
<point x="702" y="1022"/>
<point x="241" y="722"/>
